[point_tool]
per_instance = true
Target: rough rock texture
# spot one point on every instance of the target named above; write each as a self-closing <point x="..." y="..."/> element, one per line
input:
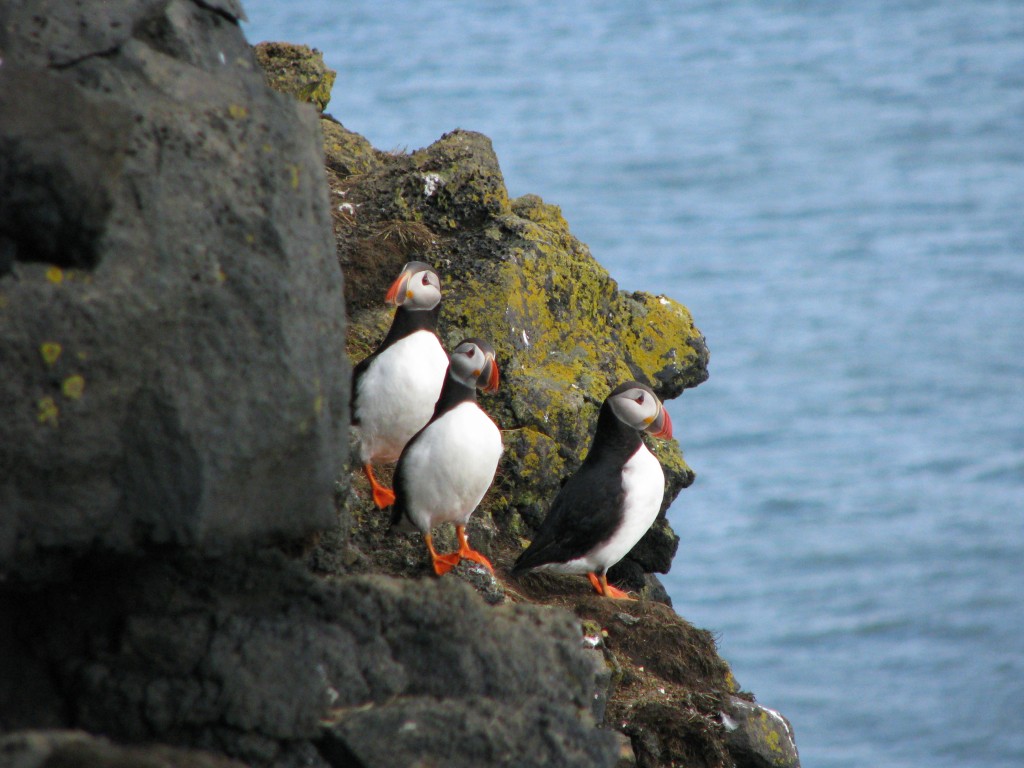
<point x="485" y="733"/>
<point x="760" y="737"/>
<point x="64" y="749"/>
<point x="252" y="655"/>
<point x="169" y="298"/>
<point x="296" y="70"/>
<point x="668" y="685"/>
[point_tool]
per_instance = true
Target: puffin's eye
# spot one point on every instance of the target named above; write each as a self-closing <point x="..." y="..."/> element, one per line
<point x="470" y="352"/>
<point x="426" y="278"/>
<point x="640" y="399"/>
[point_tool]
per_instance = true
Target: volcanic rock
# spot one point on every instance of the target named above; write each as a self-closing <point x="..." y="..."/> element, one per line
<point x="171" y="316"/>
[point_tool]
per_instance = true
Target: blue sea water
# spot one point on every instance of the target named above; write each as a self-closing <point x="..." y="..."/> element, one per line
<point x="836" y="190"/>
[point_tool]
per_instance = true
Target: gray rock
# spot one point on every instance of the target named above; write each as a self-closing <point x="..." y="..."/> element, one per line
<point x="249" y="656"/>
<point x="627" y="759"/>
<point x="758" y="737"/>
<point x="480" y="732"/>
<point x="171" y="320"/>
<point x="48" y="749"/>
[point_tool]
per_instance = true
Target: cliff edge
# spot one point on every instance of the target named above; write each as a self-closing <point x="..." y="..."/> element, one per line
<point x="189" y="575"/>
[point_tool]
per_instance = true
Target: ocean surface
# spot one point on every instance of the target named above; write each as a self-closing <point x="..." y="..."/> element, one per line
<point x="836" y="191"/>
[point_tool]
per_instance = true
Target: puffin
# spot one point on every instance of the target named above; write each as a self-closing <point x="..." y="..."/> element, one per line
<point x="447" y="467"/>
<point x="604" y="509"/>
<point x="394" y="389"/>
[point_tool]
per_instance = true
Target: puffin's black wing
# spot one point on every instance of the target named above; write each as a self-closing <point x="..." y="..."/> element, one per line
<point x="398" y="485"/>
<point x="398" y="482"/>
<point x="586" y="512"/>
<point x="357" y="373"/>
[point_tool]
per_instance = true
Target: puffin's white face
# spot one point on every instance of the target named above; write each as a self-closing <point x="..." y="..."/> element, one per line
<point x="417" y="287"/>
<point x="473" y="365"/>
<point x="636" y="405"/>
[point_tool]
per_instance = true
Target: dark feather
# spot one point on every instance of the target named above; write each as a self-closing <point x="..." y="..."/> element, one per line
<point x="586" y="512"/>
<point x="588" y="509"/>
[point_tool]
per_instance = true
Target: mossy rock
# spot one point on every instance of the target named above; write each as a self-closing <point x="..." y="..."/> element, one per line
<point x="345" y="152"/>
<point x="297" y="70"/>
<point x="759" y="736"/>
<point x="513" y="273"/>
<point x="528" y="478"/>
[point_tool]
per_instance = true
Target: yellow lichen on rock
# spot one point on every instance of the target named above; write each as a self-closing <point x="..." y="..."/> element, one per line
<point x="660" y="339"/>
<point x="347" y="152"/>
<point x="50" y="352"/>
<point x="47" y="411"/>
<point x="73" y="386"/>
<point x="297" y="70"/>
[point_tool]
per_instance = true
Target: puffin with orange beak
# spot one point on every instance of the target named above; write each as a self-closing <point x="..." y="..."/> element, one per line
<point x="394" y="389"/>
<point x="605" y="508"/>
<point x="446" y="469"/>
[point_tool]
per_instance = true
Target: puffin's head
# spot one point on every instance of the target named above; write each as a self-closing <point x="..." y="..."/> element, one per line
<point x="473" y="365"/>
<point x="417" y="287"/>
<point x="636" y="404"/>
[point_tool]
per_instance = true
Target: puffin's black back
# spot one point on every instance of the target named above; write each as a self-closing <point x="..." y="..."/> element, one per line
<point x="405" y="323"/>
<point x="452" y="394"/>
<point x="588" y="508"/>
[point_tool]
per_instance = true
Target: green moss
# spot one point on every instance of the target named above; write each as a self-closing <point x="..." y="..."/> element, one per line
<point x="764" y="730"/>
<point x="345" y="152"/>
<point x="660" y="341"/>
<point x="591" y="628"/>
<point x="296" y="70"/>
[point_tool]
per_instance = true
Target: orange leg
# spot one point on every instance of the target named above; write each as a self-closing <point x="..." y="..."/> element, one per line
<point x="607" y="590"/>
<point x="382" y="497"/>
<point x="442" y="563"/>
<point x="468" y="552"/>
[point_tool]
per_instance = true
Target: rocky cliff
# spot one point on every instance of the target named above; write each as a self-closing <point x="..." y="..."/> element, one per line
<point x="189" y="574"/>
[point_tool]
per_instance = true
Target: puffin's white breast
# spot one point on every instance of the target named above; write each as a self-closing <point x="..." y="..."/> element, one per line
<point x="643" y="485"/>
<point x="449" y="468"/>
<point x="397" y="393"/>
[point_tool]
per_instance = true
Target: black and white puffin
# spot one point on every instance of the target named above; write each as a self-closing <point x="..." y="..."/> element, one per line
<point x="446" y="469"/>
<point x="604" y="509"/>
<point x="394" y="389"/>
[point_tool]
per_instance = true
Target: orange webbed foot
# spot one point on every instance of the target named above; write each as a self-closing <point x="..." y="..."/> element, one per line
<point x="607" y="590"/>
<point x="617" y="594"/>
<point x="468" y="553"/>
<point x="444" y="563"/>
<point x="382" y="497"/>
